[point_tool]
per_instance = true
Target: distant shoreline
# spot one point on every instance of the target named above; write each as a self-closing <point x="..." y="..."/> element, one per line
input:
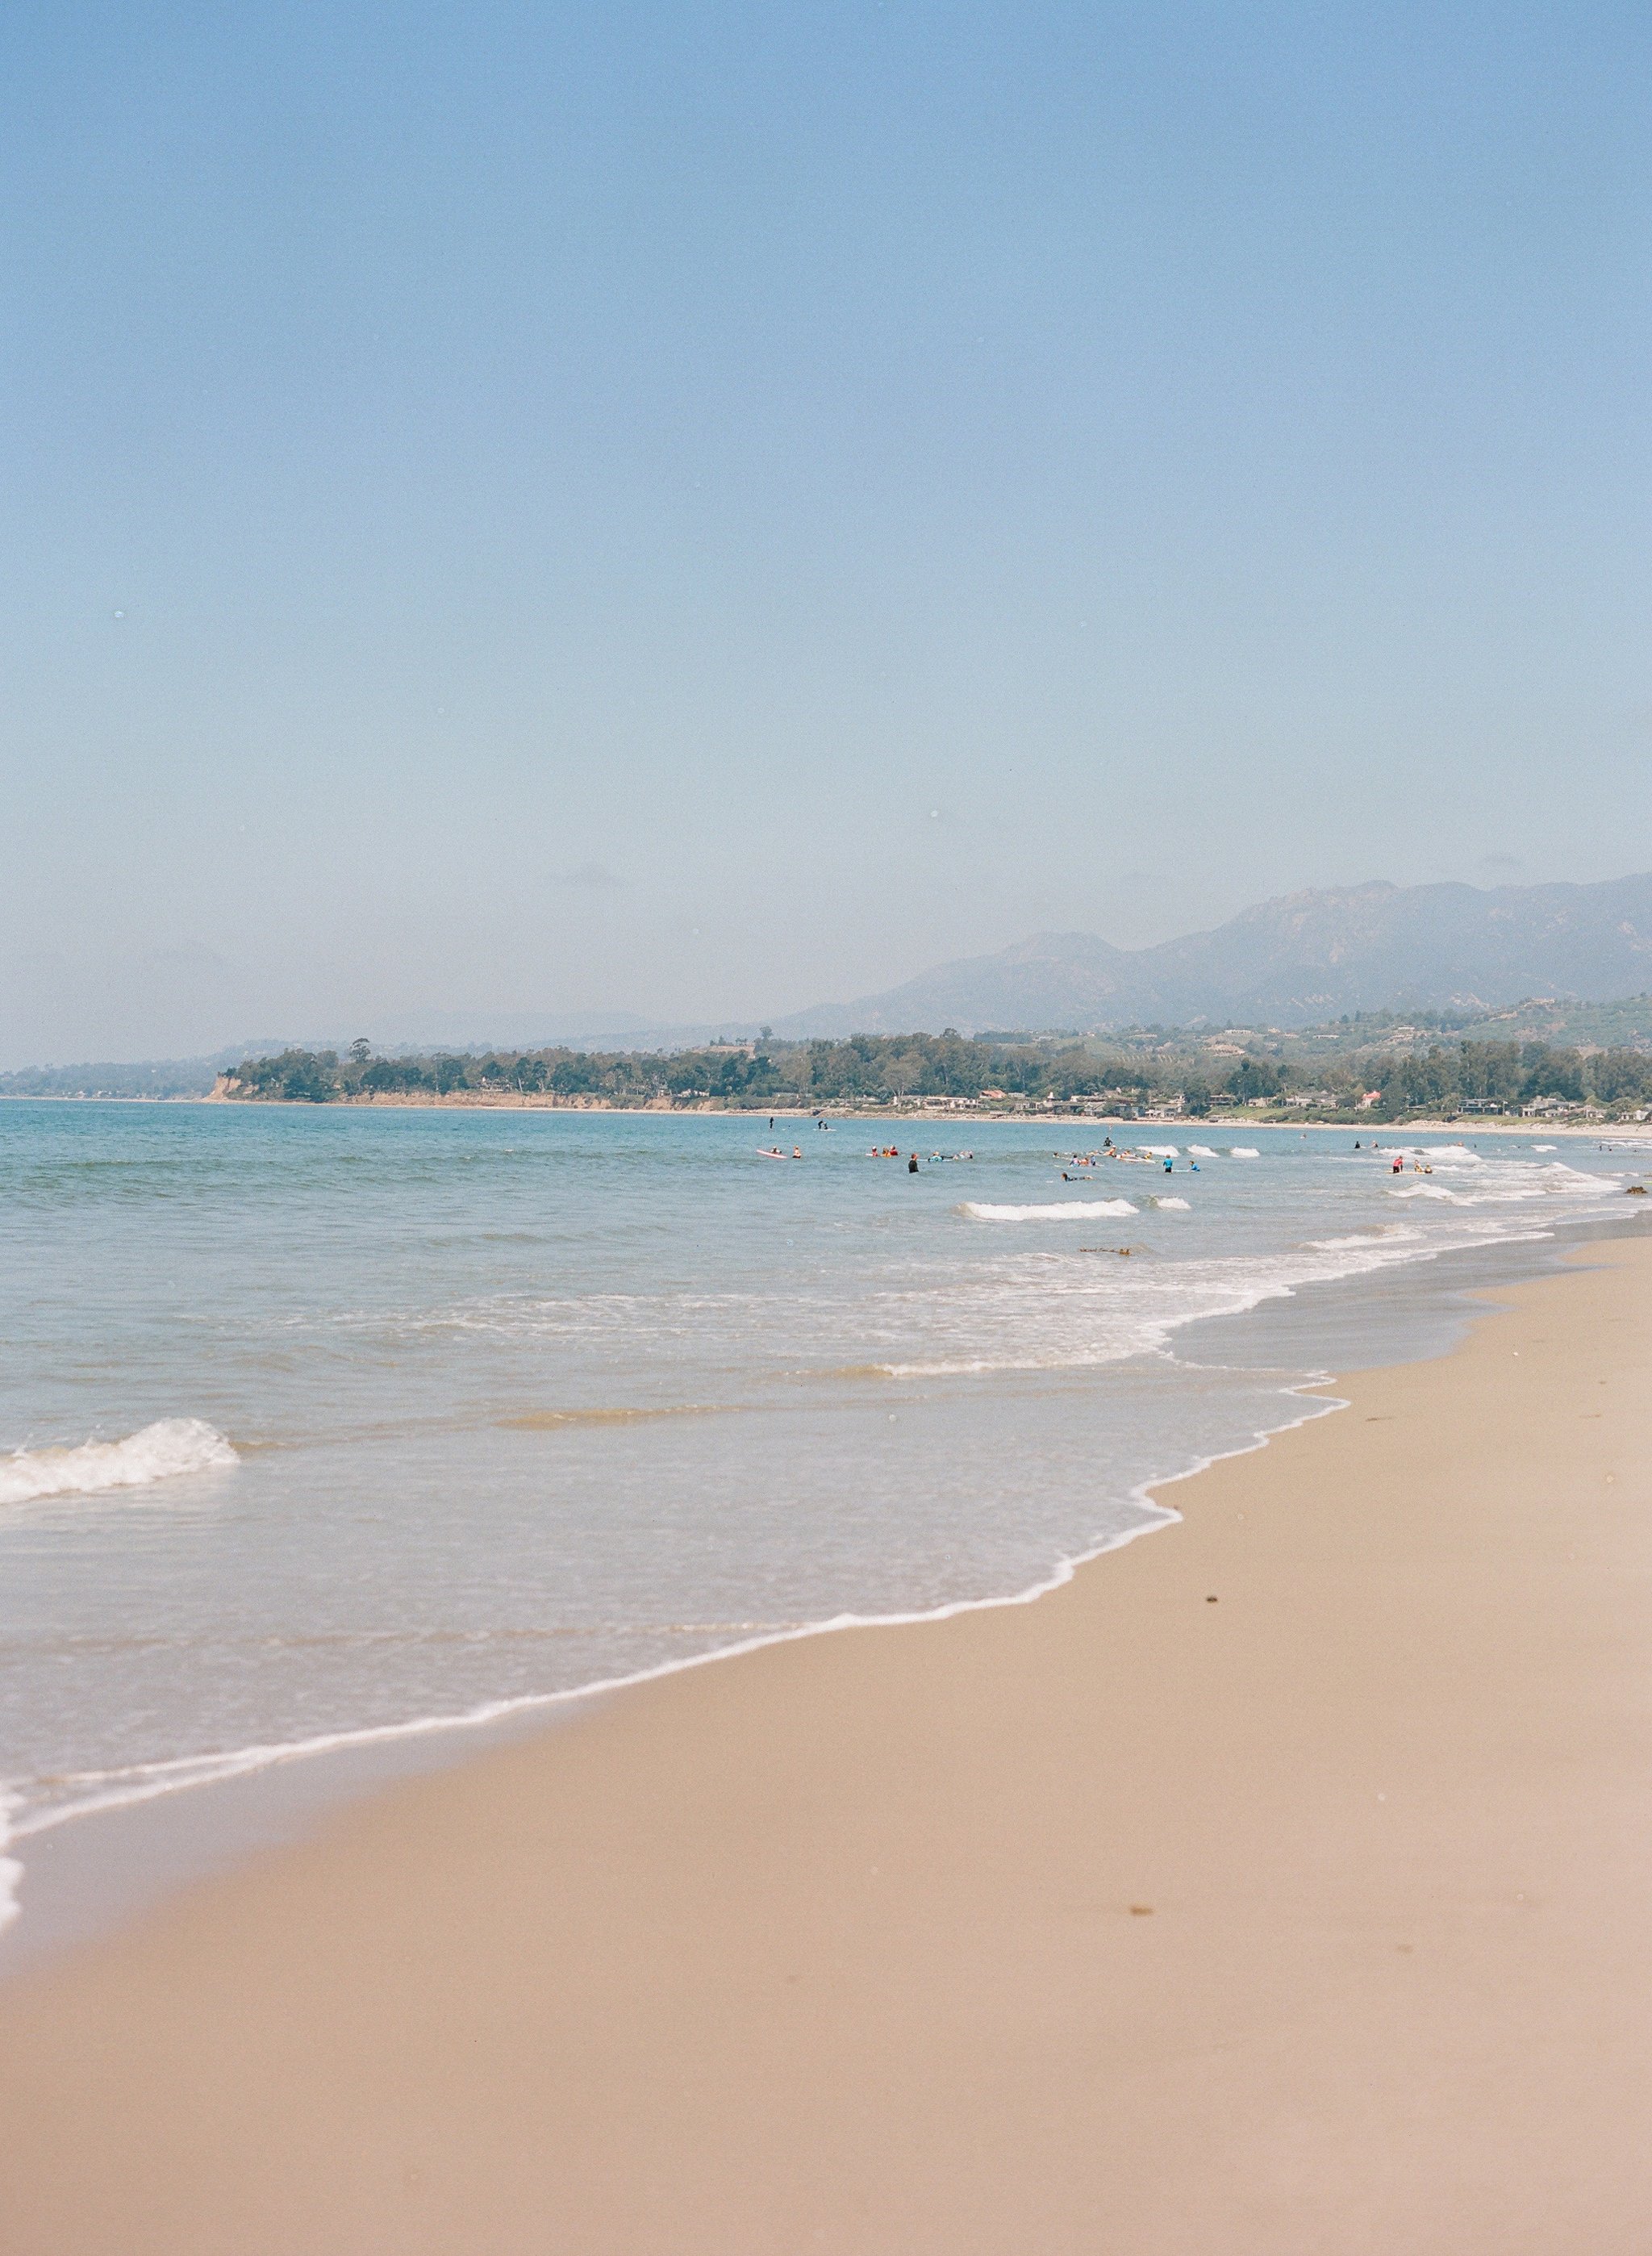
<point x="1612" y="1131"/>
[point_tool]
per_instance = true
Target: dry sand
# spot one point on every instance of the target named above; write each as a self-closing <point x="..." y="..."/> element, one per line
<point x="1312" y="1921"/>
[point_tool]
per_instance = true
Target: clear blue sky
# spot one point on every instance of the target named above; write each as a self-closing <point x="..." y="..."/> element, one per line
<point x="699" y="510"/>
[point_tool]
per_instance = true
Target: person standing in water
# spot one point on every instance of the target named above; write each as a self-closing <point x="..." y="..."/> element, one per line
<point x="911" y="1164"/>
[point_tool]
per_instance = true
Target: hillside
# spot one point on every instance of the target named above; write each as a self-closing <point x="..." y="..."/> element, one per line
<point x="1374" y="1069"/>
<point x="151" y="1077"/>
<point x="1297" y="961"/>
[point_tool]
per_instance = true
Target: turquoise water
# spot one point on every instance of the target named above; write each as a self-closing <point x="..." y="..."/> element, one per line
<point x="437" y="1409"/>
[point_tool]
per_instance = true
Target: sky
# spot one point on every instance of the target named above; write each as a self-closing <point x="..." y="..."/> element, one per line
<point x="521" y="511"/>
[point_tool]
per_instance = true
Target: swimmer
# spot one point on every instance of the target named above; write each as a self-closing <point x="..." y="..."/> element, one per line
<point x="911" y="1164"/>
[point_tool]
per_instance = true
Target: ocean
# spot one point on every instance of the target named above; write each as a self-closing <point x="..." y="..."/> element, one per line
<point x="322" y="1422"/>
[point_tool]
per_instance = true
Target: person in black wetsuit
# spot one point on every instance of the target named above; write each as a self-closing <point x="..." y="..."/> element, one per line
<point x="911" y="1164"/>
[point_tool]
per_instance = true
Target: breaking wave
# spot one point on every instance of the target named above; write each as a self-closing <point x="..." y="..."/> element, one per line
<point x="1069" y="1210"/>
<point x="1363" y="1237"/>
<point x="1482" y="1182"/>
<point x="170" y="1447"/>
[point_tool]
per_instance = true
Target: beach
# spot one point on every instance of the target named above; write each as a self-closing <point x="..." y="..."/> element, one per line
<point x="1278" y="1883"/>
<point x="1628" y="1135"/>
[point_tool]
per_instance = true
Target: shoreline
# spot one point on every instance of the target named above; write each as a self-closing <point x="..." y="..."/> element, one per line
<point x="526" y="1713"/>
<point x="246" y="1797"/>
<point x="417" y="1744"/>
<point x="1605" y="1132"/>
<point x="1308" y="1922"/>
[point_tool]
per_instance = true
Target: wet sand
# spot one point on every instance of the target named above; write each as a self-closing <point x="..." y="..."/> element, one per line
<point x="1278" y="1884"/>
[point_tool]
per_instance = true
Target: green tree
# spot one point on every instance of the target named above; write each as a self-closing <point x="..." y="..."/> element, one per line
<point x="1253" y="1077"/>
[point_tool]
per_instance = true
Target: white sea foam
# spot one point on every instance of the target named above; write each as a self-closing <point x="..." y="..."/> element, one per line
<point x="1202" y="1151"/>
<point x="1474" y="1178"/>
<point x="977" y="1364"/>
<point x="1243" y="1152"/>
<point x="1222" y="1287"/>
<point x="1543" y="1147"/>
<point x="1178" y="1203"/>
<point x="127" y="1784"/>
<point x="949" y="1313"/>
<point x="163" y="1451"/>
<point x="1072" y="1210"/>
<point x="1164" y="1150"/>
<point x="1363" y="1238"/>
<point x="11" y="1870"/>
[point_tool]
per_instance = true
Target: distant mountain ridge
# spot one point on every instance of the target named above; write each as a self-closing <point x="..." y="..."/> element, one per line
<point x="1291" y="962"/>
<point x="1297" y="961"/>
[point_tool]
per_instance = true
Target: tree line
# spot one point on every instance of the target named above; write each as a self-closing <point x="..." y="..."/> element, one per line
<point x="884" y="1068"/>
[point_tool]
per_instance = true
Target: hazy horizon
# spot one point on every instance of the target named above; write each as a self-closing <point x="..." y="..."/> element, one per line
<point x="484" y="1027"/>
<point x="526" y="515"/>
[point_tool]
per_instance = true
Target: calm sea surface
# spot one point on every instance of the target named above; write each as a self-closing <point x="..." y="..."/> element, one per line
<point x="317" y="1420"/>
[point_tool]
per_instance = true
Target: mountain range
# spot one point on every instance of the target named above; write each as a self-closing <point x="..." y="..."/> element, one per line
<point x="1293" y="961"/>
